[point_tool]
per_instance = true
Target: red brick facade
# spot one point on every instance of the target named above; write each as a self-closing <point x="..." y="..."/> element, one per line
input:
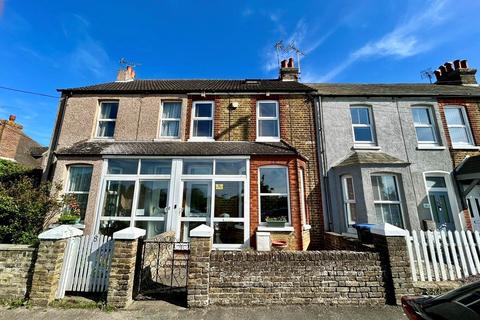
<point x="472" y="109"/>
<point x="297" y="128"/>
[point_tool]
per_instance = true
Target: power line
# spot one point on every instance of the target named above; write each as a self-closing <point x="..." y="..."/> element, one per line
<point x="29" y="92"/>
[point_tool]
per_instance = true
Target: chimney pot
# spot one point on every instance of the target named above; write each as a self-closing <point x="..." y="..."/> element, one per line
<point x="456" y="64"/>
<point x="284" y="63"/>
<point x="12" y="118"/>
<point x="463" y="64"/>
<point x="448" y="66"/>
<point x="438" y="74"/>
<point x="291" y="63"/>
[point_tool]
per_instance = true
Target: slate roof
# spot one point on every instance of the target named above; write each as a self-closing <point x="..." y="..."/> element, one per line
<point x="178" y="148"/>
<point x="191" y="86"/>
<point x="470" y="166"/>
<point x="398" y="89"/>
<point x="366" y="158"/>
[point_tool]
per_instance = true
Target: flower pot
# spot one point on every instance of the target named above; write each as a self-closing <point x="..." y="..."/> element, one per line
<point x="276" y="224"/>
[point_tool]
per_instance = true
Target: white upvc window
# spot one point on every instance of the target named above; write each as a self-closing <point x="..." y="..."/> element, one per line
<point x="268" y="124"/>
<point x="362" y="125"/>
<point x="170" y="119"/>
<point x="78" y="185"/>
<point x="303" y="210"/>
<point x="349" y="201"/>
<point x="202" y="120"/>
<point x="424" y="123"/>
<point x="458" y="127"/>
<point x="386" y="197"/>
<point x="274" y="195"/>
<point x="107" y="119"/>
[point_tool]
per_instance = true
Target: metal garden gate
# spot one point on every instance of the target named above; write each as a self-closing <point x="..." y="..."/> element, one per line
<point x="86" y="264"/>
<point x="162" y="270"/>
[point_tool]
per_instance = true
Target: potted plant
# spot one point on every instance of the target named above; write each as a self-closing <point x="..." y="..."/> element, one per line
<point x="276" y="222"/>
<point x="71" y="212"/>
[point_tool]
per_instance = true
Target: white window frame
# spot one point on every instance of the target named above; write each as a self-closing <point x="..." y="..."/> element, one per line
<point x="260" y="194"/>
<point x="371" y="126"/>
<point x="465" y="126"/>
<point x="303" y="209"/>
<point x="67" y="190"/>
<point x="276" y="118"/>
<point x="212" y="119"/>
<point x="347" y="202"/>
<point x="399" y="195"/>
<point x="432" y="126"/>
<point x="162" y="119"/>
<point x="105" y="119"/>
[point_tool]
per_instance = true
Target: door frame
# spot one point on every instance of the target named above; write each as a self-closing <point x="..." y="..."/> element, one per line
<point x="452" y="197"/>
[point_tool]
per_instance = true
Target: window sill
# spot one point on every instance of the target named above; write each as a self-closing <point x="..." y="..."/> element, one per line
<point x="273" y="229"/>
<point x="365" y="147"/>
<point x="430" y="147"/>
<point x="306" y="227"/>
<point x="267" y="140"/>
<point x="103" y="139"/>
<point x="166" y="139"/>
<point x="460" y="147"/>
<point x="201" y="139"/>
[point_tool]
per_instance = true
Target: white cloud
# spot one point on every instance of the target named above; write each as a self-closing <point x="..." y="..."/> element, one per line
<point x="406" y="40"/>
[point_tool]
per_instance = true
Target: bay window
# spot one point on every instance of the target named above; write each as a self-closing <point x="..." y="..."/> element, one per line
<point x="458" y="127"/>
<point x="268" y="125"/>
<point x="202" y="120"/>
<point x="274" y="193"/>
<point x="107" y="119"/>
<point x="387" y="201"/>
<point x="78" y="186"/>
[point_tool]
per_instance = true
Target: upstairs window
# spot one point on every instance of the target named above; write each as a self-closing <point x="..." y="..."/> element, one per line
<point x="362" y="125"/>
<point x="424" y="125"/>
<point x="202" y="120"/>
<point x="78" y="186"/>
<point x="268" y="126"/>
<point x="274" y="194"/>
<point x="170" y="119"/>
<point x="107" y="119"/>
<point x="457" y="122"/>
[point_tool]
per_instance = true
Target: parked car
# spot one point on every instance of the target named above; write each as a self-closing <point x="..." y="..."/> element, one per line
<point x="462" y="303"/>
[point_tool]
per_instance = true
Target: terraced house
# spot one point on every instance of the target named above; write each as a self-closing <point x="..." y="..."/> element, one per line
<point x="401" y="153"/>
<point x="174" y="154"/>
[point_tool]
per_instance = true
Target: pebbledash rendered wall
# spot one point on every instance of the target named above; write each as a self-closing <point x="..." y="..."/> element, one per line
<point x="323" y="277"/>
<point x="16" y="270"/>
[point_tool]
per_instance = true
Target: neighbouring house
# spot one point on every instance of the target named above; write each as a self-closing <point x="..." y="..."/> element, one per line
<point x="174" y="154"/>
<point x="388" y="152"/>
<point x="16" y="146"/>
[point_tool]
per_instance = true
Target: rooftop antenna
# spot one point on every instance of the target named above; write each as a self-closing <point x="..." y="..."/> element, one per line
<point x="279" y="47"/>
<point x="125" y="63"/>
<point x="427" y="74"/>
<point x="292" y="47"/>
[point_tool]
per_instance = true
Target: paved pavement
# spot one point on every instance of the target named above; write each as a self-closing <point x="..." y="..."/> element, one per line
<point x="162" y="310"/>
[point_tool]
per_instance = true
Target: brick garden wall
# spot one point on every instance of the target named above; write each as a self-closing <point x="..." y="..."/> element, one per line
<point x="335" y="241"/>
<point x="323" y="277"/>
<point x="16" y="270"/>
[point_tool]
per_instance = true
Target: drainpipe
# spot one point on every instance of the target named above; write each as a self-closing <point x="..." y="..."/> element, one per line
<point x="56" y="133"/>
<point x="322" y="163"/>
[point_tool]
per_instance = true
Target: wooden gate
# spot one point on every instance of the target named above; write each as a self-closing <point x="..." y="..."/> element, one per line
<point x="86" y="264"/>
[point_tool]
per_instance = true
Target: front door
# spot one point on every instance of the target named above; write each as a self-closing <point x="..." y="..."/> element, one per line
<point x="441" y="210"/>
<point x="473" y="202"/>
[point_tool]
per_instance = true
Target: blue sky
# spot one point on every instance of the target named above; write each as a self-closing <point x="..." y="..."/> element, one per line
<point x="50" y="44"/>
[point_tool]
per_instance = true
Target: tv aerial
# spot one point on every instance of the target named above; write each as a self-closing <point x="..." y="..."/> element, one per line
<point x="427" y="74"/>
<point x="125" y="63"/>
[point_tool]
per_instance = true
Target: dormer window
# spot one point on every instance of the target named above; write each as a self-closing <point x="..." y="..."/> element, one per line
<point x="268" y="124"/>
<point x="107" y="119"/>
<point x="202" y="120"/>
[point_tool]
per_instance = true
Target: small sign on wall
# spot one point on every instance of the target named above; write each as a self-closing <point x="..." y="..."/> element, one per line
<point x="426" y="205"/>
<point x="218" y="186"/>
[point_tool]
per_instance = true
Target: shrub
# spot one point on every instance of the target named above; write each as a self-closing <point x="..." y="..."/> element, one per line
<point x="25" y="208"/>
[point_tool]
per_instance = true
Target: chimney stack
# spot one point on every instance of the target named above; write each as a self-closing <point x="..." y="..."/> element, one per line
<point x="127" y="74"/>
<point x="10" y="135"/>
<point x="456" y="73"/>
<point x="288" y="72"/>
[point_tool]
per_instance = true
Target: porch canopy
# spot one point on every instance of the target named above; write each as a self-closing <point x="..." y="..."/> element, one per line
<point x="468" y="173"/>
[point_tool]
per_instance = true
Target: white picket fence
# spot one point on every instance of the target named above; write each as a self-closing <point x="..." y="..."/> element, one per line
<point x="442" y="256"/>
<point x="86" y="264"/>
